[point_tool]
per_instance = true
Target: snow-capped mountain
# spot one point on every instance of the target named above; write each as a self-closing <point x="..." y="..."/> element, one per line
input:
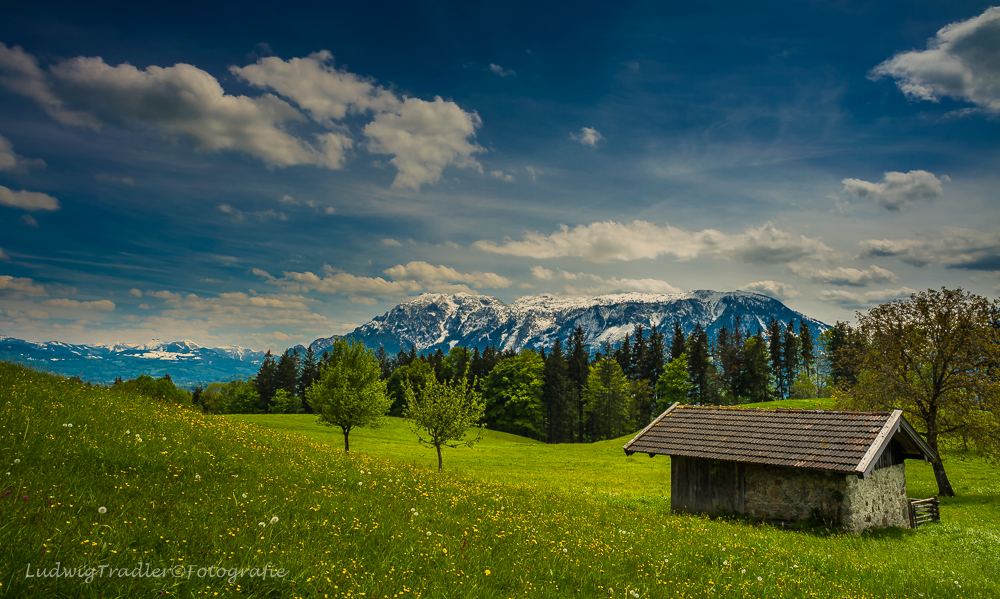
<point x="438" y="320"/>
<point x="187" y="362"/>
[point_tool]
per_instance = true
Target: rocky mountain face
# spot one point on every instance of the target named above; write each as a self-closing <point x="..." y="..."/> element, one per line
<point x="431" y="321"/>
<point x="187" y="362"/>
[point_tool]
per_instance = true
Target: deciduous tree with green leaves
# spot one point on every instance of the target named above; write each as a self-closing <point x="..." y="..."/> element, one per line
<point x="936" y="357"/>
<point x="674" y="383"/>
<point x="443" y="412"/>
<point x="350" y="391"/>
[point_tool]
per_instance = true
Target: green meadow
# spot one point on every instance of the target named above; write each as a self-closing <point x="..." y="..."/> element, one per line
<point x="146" y="499"/>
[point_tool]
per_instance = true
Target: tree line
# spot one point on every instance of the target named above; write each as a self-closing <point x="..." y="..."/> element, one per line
<point x="572" y="391"/>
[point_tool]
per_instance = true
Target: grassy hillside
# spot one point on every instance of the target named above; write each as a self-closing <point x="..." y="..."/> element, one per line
<point x="510" y="517"/>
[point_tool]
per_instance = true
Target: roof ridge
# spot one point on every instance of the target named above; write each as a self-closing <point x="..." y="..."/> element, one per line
<point x="781" y="410"/>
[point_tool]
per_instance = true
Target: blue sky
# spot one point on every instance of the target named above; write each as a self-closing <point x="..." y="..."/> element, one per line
<point x="266" y="176"/>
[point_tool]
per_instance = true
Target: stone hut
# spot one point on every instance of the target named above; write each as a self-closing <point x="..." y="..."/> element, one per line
<point x="787" y="465"/>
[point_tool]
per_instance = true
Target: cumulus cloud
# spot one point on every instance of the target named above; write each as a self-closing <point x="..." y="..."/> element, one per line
<point x="409" y="279"/>
<point x="28" y="200"/>
<point x="898" y="190"/>
<point x="424" y="137"/>
<point x="960" y="62"/>
<point x="327" y="93"/>
<point x="949" y="246"/>
<point x="592" y="284"/>
<point x="391" y="242"/>
<point x="435" y="275"/>
<point x="135" y="292"/>
<point x="775" y="289"/>
<point x="587" y="136"/>
<point x="502" y="176"/>
<point x="499" y="70"/>
<point x="100" y="305"/>
<point x="608" y="241"/>
<point x="181" y="101"/>
<point x="20" y="286"/>
<point x="188" y="103"/>
<point x="861" y="301"/>
<point x="11" y="161"/>
<point x="849" y="277"/>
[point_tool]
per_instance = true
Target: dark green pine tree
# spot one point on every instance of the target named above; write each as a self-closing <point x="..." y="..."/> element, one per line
<point x="678" y="344"/>
<point x="841" y="351"/>
<point x="288" y="371"/>
<point x="623" y="354"/>
<point x="385" y="362"/>
<point x="652" y="364"/>
<point x="558" y="397"/>
<point x="729" y="357"/>
<point x="699" y="364"/>
<point x="266" y="382"/>
<point x="790" y="358"/>
<point x="639" y="349"/>
<point x="807" y="350"/>
<point x="775" y="345"/>
<point x="757" y="369"/>
<point x="308" y="374"/>
<point x="578" y="369"/>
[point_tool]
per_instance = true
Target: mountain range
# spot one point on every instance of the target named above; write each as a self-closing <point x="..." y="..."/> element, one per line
<point x="433" y="321"/>
<point x="428" y="322"/>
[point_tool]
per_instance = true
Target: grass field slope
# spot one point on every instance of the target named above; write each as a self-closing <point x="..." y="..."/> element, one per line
<point x="145" y="499"/>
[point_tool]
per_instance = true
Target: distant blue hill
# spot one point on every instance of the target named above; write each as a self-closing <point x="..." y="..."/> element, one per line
<point x="188" y="363"/>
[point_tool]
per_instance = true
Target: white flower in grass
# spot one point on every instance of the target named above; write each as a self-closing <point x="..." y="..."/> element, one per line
<point x="137" y="435"/>
<point x="102" y="510"/>
<point x="164" y="438"/>
<point x="759" y="578"/>
<point x="274" y="519"/>
<point x="197" y="477"/>
<point x="565" y="550"/>
<point x="244" y="496"/>
<point x="725" y="563"/>
<point x="261" y="524"/>
<point x="359" y="483"/>
<point x="743" y="571"/>
<point x="127" y="432"/>
<point x="17" y="461"/>
<point x="428" y="533"/>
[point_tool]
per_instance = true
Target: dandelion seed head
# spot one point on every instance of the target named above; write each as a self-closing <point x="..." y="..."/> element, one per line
<point x="17" y="461"/>
<point x="261" y="524"/>
<point x="274" y="519"/>
<point x="102" y="510"/>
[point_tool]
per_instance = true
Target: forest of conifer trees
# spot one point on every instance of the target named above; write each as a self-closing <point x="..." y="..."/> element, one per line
<point x="574" y="391"/>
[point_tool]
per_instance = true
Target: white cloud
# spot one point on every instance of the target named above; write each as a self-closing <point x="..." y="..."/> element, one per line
<point x="591" y="284"/>
<point x="27" y="219"/>
<point x="135" y="292"/>
<point x="502" y="176"/>
<point x="500" y="71"/>
<point x="181" y="101"/>
<point x="10" y="161"/>
<point x="424" y="137"/>
<point x="587" y="136"/>
<point x="608" y="241"/>
<point x="960" y="62"/>
<point x="949" y="246"/>
<point x="431" y="275"/>
<point x="413" y="278"/>
<point x="391" y="242"/>
<point x="775" y="289"/>
<point x="325" y="92"/>
<point x="20" y="286"/>
<point x="534" y="172"/>
<point x="844" y="276"/>
<point x="860" y="301"/>
<point x="28" y="200"/>
<point x="899" y="189"/>
<point x="100" y="305"/>
<point x="164" y="294"/>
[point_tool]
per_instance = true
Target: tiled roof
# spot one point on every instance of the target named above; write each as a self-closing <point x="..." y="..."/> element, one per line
<point x="828" y="440"/>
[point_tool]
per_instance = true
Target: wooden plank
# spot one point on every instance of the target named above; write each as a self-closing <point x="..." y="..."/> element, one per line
<point x="879" y="444"/>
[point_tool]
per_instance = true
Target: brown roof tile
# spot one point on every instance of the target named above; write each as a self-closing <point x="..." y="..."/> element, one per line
<point x="829" y="440"/>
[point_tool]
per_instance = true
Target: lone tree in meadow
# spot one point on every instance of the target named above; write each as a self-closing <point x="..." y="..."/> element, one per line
<point x="350" y="391"/>
<point x="442" y="414"/>
<point x="936" y="357"/>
